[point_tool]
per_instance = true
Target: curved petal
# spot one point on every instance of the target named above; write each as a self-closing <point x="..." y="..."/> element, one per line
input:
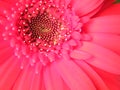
<point x="51" y="77"/>
<point x="111" y="80"/>
<point x="103" y="58"/>
<point x="107" y="4"/>
<point x="93" y="12"/>
<point x="23" y="82"/>
<point x="112" y="10"/>
<point x="36" y="83"/>
<point x="73" y="75"/>
<point x="104" y="24"/>
<point x="110" y="41"/>
<point x="94" y="76"/>
<point x="5" y="50"/>
<point x="79" y="54"/>
<point x="43" y="86"/>
<point x="83" y="7"/>
<point x="5" y="54"/>
<point x="9" y="72"/>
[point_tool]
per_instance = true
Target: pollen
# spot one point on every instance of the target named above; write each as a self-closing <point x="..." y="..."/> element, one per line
<point x="40" y="30"/>
<point x="41" y="26"/>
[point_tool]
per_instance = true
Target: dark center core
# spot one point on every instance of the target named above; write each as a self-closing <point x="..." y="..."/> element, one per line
<point x="44" y="28"/>
<point x="41" y="28"/>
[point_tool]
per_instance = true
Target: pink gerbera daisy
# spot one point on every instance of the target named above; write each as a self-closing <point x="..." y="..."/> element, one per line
<point x="59" y="45"/>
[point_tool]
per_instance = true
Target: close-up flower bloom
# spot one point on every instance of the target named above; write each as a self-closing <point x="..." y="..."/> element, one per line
<point x="59" y="45"/>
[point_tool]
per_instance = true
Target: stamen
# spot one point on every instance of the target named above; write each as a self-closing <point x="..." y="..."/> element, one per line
<point x="41" y="29"/>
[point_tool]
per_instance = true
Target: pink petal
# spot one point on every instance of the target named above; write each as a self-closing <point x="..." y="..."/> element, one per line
<point x="73" y="75"/>
<point x="36" y="83"/>
<point x="72" y="42"/>
<point x="47" y="80"/>
<point x="104" y="58"/>
<point x="111" y="80"/>
<point x="93" y="13"/>
<point x="79" y="54"/>
<point x="97" y="80"/>
<point x="5" y="50"/>
<point x="106" y="4"/>
<point x="110" y="41"/>
<point x="52" y="79"/>
<point x="23" y="82"/>
<point x="83" y="7"/>
<point x="43" y="87"/>
<point x="5" y="54"/>
<point x="112" y="10"/>
<point x="104" y="24"/>
<point x="76" y="35"/>
<point x="9" y="72"/>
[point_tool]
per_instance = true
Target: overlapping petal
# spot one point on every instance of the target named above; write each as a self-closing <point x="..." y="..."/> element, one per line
<point x="24" y="80"/>
<point x="93" y="75"/>
<point x="73" y="75"/>
<point x="111" y="80"/>
<point x="112" y="10"/>
<point x="9" y="72"/>
<point x="89" y="61"/>
<point x="109" y="41"/>
<point x="104" y="24"/>
<point x="103" y="58"/>
<point x="83" y="7"/>
<point x="51" y="75"/>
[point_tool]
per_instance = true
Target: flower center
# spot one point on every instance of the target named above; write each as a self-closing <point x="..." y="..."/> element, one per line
<point x="40" y="25"/>
<point x="41" y="31"/>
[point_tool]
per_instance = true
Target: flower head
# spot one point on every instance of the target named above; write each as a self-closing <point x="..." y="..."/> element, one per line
<point x="59" y="45"/>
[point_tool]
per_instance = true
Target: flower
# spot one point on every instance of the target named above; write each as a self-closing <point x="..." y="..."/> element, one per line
<point x="59" y="45"/>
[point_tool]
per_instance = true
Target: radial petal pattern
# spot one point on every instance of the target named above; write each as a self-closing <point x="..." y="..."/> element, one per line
<point x="59" y="45"/>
